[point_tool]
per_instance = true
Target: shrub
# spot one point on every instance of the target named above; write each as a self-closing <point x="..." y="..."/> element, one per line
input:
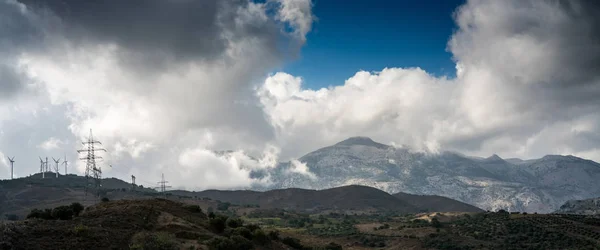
<point x="252" y="227"/>
<point x="193" y="208"/>
<point x="292" y="242"/>
<point x="217" y="224"/>
<point x="260" y="237"/>
<point x="105" y="199"/>
<point x="223" y="206"/>
<point x="77" y="208"/>
<point x="62" y="213"/>
<point x="11" y="217"/>
<point x="436" y="223"/>
<point x="234" y="243"/>
<point x="45" y="214"/>
<point x="274" y="235"/>
<point x="154" y="241"/>
<point x="235" y="222"/>
<point x="333" y="246"/>
<point x="244" y="232"/>
<point x="80" y="230"/>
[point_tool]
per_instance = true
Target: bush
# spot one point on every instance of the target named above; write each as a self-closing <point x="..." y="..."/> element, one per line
<point x="252" y="227"/>
<point x="105" y="199"/>
<point x="436" y="223"/>
<point x="260" y="237"/>
<point x="223" y="206"/>
<point x="154" y="241"/>
<point x="45" y="214"/>
<point x="292" y="242"/>
<point x="333" y="246"/>
<point x="217" y="224"/>
<point x="77" y="208"/>
<point x="193" y="208"/>
<point x="81" y="230"/>
<point x="244" y="232"/>
<point x="234" y="243"/>
<point x="62" y="213"/>
<point x="235" y="222"/>
<point x="274" y="235"/>
<point x="11" y="217"/>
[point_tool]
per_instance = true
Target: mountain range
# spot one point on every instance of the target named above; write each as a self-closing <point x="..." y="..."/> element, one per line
<point x="536" y="185"/>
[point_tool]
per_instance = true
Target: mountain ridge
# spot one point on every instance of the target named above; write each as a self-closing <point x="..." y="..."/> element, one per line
<point x="492" y="183"/>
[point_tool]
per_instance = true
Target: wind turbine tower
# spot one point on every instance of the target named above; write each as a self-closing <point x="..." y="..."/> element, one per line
<point x="66" y="163"/>
<point x="12" y="163"/>
<point x="56" y="167"/>
<point x="132" y="182"/>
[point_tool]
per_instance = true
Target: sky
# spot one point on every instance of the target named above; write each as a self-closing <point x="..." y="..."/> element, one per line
<point x="372" y="35"/>
<point x="166" y="83"/>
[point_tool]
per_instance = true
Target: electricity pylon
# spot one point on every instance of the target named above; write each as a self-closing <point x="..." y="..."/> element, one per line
<point x="92" y="171"/>
<point x="163" y="187"/>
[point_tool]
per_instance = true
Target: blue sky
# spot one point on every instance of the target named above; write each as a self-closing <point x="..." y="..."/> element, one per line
<point x="372" y="35"/>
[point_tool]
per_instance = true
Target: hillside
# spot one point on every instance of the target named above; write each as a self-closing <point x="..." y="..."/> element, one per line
<point x="20" y="195"/>
<point x="585" y="207"/>
<point x="436" y="203"/>
<point x="127" y="224"/>
<point x="492" y="183"/>
<point x="348" y="198"/>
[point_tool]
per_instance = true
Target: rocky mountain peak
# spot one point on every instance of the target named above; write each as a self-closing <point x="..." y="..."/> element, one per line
<point x="360" y="140"/>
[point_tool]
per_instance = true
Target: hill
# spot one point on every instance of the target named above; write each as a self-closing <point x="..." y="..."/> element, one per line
<point x="585" y="207"/>
<point x="436" y="203"/>
<point x="139" y="224"/>
<point x="492" y="183"/>
<point x="346" y="198"/>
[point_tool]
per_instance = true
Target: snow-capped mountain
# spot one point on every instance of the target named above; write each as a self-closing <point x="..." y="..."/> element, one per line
<point x="540" y="185"/>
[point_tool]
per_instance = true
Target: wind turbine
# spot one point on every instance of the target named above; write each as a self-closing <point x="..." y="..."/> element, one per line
<point x="12" y="162"/>
<point x="56" y="167"/>
<point x="65" y="162"/>
<point x="42" y="169"/>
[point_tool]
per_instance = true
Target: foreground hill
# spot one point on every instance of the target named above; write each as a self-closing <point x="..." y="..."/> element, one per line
<point x="539" y="185"/>
<point x="585" y="207"/>
<point x="436" y="203"/>
<point x="139" y="224"/>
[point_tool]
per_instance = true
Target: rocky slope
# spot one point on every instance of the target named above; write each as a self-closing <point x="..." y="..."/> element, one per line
<point x="585" y="207"/>
<point x="539" y="185"/>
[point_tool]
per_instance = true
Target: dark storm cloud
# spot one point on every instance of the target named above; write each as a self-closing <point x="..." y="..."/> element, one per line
<point x="153" y="33"/>
<point x="18" y="32"/>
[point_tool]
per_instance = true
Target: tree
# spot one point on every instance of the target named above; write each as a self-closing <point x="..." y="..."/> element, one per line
<point x="77" y="208"/>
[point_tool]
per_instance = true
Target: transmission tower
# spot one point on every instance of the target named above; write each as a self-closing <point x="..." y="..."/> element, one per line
<point x="65" y="162"/>
<point x="92" y="171"/>
<point x="56" y="166"/>
<point x="12" y="165"/>
<point x="163" y="185"/>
